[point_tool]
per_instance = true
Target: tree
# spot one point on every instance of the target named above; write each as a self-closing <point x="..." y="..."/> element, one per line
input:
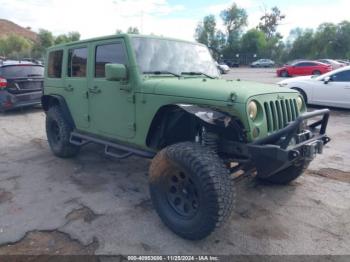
<point x="205" y="31"/>
<point x="253" y="42"/>
<point x="15" y="46"/>
<point x="270" y="21"/>
<point x="235" y="19"/>
<point x="66" y="38"/>
<point x="133" y="30"/>
<point x="45" y="40"/>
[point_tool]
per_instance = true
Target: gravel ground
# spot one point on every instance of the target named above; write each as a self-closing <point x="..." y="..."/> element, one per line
<point x="94" y="204"/>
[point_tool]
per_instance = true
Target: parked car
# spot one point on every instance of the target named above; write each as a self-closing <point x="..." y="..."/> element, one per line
<point x="223" y="68"/>
<point x="301" y="68"/>
<point x="176" y="110"/>
<point x="346" y="62"/>
<point x="263" y="63"/>
<point x="334" y="63"/>
<point x="231" y="62"/>
<point x="21" y="84"/>
<point x="330" y="89"/>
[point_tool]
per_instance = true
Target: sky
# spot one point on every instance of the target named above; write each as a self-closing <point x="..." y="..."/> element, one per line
<point x="172" y="18"/>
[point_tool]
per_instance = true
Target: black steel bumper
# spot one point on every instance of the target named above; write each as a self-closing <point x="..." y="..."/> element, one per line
<point x="295" y="142"/>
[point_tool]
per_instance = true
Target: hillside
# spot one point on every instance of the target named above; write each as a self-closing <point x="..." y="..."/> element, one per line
<point x="8" y="27"/>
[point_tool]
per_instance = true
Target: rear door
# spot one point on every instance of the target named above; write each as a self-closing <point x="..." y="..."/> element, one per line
<point x="336" y="92"/>
<point x="111" y="106"/>
<point x="75" y="84"/>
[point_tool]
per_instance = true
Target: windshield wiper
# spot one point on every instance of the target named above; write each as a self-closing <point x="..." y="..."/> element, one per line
<point x="197" y="74"/>
<point x="160" y="72"/>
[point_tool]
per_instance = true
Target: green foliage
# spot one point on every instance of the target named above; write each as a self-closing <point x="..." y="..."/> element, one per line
<point x="270" y="21"/>
<point x="253" y="42"/>
<point x="234" y="19"/>
<point x="327" y="41"/>
<point x="70" y="37"/>
<point x="15" y="47"/>
<point x="133" y="30"/>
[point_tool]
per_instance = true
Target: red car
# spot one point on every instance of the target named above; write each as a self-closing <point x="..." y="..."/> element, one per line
<point x="303" y="68"/>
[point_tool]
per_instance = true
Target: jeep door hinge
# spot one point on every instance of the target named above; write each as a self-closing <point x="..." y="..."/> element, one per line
<point x="132" y="98"/>
<point x="132" y="126"/>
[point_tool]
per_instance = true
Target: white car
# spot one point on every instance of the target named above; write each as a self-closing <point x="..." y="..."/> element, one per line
<point x="330" y="89"/>
<point x="334" y="63"/>
<point x="223" y="68"/>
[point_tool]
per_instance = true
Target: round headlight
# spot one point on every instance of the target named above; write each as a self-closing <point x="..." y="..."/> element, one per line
<point x="300" y="103"/>
<point x="252" y="110"/>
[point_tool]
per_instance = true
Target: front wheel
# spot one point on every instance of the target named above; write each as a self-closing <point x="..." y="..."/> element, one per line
<point x="289" y="174"/>
<point x="191" y="189"/>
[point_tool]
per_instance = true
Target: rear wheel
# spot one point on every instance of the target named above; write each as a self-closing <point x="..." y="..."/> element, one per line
<point x="316" y="73"/>
<point x="191" y="189"/>
<point x="284" y="73"/>
<point x="289" y="174"/>
<point x="58" y="132"/>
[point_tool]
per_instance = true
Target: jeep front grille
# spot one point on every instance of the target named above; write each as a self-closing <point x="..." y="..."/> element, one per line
<point x="279" y="113"/>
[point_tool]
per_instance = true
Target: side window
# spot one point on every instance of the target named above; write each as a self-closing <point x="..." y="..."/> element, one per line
<point x="343" y="76"/>
<point x="107" y="54"/>
<point x="54" y="68"/>
<point x="299" y="64"/>
<point x="311" y="64"/>
<point x="77" y="62"/>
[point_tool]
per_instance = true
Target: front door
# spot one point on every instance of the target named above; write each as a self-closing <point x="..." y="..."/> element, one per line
<point x="75" y="85"/>
<point x="336" y="92"/>
<point x="111" y="106"/>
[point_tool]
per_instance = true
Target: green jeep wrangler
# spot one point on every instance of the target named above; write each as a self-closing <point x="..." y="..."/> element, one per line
<point x="162" y="98"/>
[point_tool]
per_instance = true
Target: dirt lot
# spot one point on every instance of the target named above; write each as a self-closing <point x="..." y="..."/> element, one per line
<point x="94" y="204"/>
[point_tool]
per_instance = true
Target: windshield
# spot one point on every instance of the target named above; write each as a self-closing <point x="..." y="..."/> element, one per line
<point x="162" y="55"/>
<point x="20" y="71"/>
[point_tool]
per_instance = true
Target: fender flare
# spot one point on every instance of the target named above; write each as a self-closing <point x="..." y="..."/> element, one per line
<point x="49" y="100"/>
<point x="213" y="119"/>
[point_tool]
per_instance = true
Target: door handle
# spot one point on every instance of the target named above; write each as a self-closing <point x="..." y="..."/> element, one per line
<point x="95" y="90"/>
<point x="69" y="88"/>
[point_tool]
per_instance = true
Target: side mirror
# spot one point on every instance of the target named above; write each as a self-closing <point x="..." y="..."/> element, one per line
<point x="326" y="79"/>
<point x="115" y="72"/>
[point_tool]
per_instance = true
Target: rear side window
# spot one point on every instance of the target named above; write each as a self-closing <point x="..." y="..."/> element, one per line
<point x="107" y="54"/>
<point x="77" y="62"/>
<point x="54" y="69"/>
<point x="22" y="71"/>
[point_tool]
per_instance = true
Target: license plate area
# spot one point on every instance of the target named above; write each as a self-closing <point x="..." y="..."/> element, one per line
<point x="310" y="150"/>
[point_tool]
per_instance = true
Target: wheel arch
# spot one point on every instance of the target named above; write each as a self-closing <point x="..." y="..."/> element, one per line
<point x="302" y="92"/>
<point x="183" y="121"/>
<point x="48" y="101"/>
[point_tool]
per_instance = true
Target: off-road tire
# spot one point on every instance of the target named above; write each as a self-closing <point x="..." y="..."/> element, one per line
<point x="58" y="132"/>
<point x="211" y="180"/>
<point x="289" y="174"/>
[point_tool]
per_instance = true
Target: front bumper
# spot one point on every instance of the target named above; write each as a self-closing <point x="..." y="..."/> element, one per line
<point x="291" y="144"/>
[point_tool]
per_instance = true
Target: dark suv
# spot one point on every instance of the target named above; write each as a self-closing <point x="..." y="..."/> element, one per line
<point x="21" y="84"/>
